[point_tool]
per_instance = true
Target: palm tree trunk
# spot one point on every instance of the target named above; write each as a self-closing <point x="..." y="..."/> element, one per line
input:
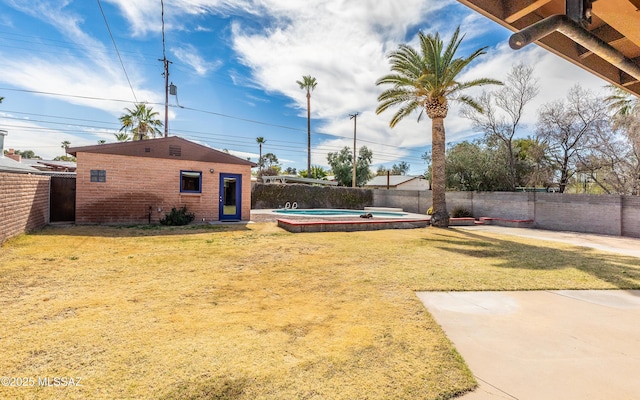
<point x="308" y="133"/>
<point x="440" y="216"/>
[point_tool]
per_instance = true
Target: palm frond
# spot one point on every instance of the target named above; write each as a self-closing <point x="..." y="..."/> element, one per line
<point x="426" y="75"/>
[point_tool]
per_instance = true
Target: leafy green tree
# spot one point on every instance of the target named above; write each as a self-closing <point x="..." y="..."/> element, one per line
<point x="426" y="80"/>
<point x="534" y="166"/>
<point x="141" y="122"/>
<point x="30" y="154"/>
<point x="308" y="83"/>
<point x="65" y="158"/>
<point x="342" y="166"/>
<point x="290" y="171"/>
<point x="400" y="168"/>
<point x="271" y="165"/>
<point x="474" y="166"/>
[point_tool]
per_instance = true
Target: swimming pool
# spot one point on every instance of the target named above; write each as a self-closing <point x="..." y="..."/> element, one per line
<point x="337" y="212"/>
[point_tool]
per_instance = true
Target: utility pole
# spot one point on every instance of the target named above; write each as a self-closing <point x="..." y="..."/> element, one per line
<point x="166" y="77"/>
<point x="354" y="117"/>
<point x="166" y="95"/>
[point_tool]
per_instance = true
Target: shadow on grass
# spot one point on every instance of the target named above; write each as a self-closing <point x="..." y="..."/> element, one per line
<point x="138" y="230"/>
<point x="618" y="270"/>
<point x="219" y="388"/>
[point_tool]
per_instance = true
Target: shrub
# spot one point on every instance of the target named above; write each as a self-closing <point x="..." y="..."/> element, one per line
<point x="461" y="212"/>
<point x="276" y="196"/>
<point x="178" y="217"/>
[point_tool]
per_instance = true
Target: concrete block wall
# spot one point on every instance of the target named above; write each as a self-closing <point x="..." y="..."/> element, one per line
<point x="414" y="201"/>
<point x="133" y="184"/>
<point x="631" y="216"/>
<point x="506" y="205"/>
<point x="579" y="213"/>
<point x="24" y="203"/>
<point x="602" y="214"/>
<point x="460" y="200"/>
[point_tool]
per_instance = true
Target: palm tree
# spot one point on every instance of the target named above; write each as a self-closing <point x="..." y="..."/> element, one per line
<point x="141" y="121"/>
<point x="308" y="83"/>
<point x="65" y="145"/>
<point x="317" y="172"/>
<point x="425" y="79"/>
<point x="122" y="137"/>
<point x="622" y="103"/>
<point x="260" y="140"/>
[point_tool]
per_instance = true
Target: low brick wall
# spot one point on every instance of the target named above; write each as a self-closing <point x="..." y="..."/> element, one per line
<point x="24" y="203"/>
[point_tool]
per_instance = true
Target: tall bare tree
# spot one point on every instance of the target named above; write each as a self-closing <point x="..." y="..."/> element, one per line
<point x="502" y="111"/>
<point x="565" y="127"/>
<point x="425" y="80"/>
<point x="612" y="161"/>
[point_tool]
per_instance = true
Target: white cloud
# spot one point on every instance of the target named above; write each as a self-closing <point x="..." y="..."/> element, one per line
<point x="190" y="55"/>
<point x="45" y="142"/>
<point x="344" y="46"/>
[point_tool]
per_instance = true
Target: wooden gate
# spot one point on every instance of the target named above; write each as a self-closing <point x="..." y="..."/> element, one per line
<point x="62" y="204"/>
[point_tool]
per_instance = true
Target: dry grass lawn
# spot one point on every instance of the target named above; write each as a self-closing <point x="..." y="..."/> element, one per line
<point x="256" y="312"/>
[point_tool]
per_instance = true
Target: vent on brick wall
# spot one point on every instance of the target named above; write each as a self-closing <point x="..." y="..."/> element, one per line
<point x="147" y="149"/>
<point x="175" y="151"/>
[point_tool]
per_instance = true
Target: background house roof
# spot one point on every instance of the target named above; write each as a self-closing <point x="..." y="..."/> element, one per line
<point x="394" y="180"/>
<point x="616" y="23"/>
<point x="44" y="165"/>
<point x="9" y="165"/>
<point x="173" y="148"/>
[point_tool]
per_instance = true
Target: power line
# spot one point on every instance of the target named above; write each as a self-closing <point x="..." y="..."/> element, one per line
<point x="408" y="149"/>
<point x="117" y="52"/>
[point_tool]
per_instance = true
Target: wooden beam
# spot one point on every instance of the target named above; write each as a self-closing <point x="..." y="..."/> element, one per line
<point x="514" y="10"/>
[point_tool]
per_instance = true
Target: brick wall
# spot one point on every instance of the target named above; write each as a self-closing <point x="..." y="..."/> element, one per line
<point x="24" y="203"/>
<point x="133" y="184"/>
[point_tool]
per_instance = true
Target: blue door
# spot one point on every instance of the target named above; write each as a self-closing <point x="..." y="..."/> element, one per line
<point x="230" y="197"/>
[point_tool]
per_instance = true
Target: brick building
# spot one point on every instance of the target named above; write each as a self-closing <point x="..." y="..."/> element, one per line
<point x="140" y="181"/>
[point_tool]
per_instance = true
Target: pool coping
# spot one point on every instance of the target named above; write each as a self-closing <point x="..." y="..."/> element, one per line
<point x="350" y="226"/>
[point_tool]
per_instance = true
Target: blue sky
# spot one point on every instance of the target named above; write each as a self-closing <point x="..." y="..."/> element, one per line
<point x="235" y="63"/>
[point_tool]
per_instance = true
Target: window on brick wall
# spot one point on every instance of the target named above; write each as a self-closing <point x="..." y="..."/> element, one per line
<point x="98" y="175"/>
<point x="191" y="181"/>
